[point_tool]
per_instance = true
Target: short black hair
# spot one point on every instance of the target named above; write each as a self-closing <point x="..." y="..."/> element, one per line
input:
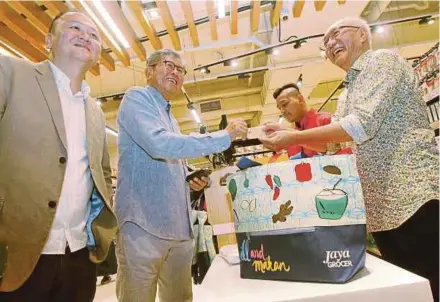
<point x="57" y="17"/>
<point x="278" y="91"/>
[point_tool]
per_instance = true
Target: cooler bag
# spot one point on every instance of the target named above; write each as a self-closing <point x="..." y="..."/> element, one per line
<point x="300" y="220"/>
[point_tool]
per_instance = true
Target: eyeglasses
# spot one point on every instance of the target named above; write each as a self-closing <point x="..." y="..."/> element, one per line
<point x="334" y="34"/>
<point x="170" y="66"/>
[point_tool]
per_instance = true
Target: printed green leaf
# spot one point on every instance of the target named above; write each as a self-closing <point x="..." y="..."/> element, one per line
<point x="246" y="183"/>
<point x="232" y="187"/>
<point x="277" y="180"/>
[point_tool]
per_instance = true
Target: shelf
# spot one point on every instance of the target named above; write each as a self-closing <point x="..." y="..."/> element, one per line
<point x="246" y="143"/>
<point x="252" y="153"/>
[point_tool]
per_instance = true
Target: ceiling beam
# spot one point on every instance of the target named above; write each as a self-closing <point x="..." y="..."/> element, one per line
<point x="138" y="11"/>
<point x="117" y="49"/>
<point x="189" y="17"/>
<point x="15" y="41"/>
<point x="297" y="8"/>
<point x="107" y="60"/>
<point x="234" y="17"/>
<point x="255" y="15"/>
<point x="55" y="7"/>
<point x="169" y="23"/>
<point x="124" y="26"/>
<point x="95" y="70"/>
<point x="22" y="27"/>
<point x="319" y="5"/>
<point x="34" y="13"/>
<point x="212" y="19"/>
<point x="42" y="21"/>
<point x="275" y="13"/>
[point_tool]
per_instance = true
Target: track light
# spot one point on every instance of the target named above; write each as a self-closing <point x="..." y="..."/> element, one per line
<point x="205" y="70"/>
<point x="111" y="131"/>
<point x="378" y="29"/>
<point x="299" y="82"/>
<point x="272" y="51"/>
<point x="232" y="63"/>
<point x="281" y="119"/>
<point x="193" y="110"/>
<point x="427" y="20"/>
<point x="300" y="43"/>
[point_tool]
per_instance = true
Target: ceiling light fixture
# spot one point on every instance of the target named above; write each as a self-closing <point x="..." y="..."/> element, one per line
<point x="272" y="51"/>
<point x="221" y="10"/>
<point x="299" y="82"/>
<point x="281" y="119"/>
<point x="232" y="63"/>
<point x="300" y="43"/>
<point x="4" y="52"/>
<point x="205" y="70"/>
<point x="193" y="110"/>
<point x="11" y="51"/>
<point x="111" y="23"/>
<point x="111" y="131"/>
<point x="378" y="29"/>
<point x="99" y="23"/>
<point x="427" y="20"/>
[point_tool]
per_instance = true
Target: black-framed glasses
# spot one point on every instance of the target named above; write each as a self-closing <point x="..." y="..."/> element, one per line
<point x="334" y="34"/>
<point x="170" y="66"/>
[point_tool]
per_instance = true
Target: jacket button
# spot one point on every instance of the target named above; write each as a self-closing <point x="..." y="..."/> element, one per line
<point x="62" y="160"/>
<point x="52" y="204"/>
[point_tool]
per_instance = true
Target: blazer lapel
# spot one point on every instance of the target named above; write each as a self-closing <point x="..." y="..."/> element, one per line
<point x="49" y="89"/>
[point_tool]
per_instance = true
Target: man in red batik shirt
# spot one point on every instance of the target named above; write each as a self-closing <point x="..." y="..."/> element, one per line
<point x="294" y="109"/>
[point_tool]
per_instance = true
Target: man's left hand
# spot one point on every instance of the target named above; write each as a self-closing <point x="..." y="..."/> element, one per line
<point x="279" y="140"/>
<point x="198" y="184"/>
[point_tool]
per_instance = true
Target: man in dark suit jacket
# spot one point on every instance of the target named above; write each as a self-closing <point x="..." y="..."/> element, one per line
<point x="55" y="177"/>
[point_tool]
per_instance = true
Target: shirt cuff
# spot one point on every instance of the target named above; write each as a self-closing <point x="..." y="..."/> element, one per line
<point x="224" y="139"/>
<point x="354" y="128"/>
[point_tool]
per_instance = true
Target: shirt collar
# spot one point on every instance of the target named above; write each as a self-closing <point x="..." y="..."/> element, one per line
<point x="62" y="80"/>
<point x="357" y="66"/>
<point x="159" y="98"/>
<point x="309" y="114"/>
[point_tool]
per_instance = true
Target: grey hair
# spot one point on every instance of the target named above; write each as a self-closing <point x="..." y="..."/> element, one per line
<point x="353" y="21"/>
<point x="158" y="55"/>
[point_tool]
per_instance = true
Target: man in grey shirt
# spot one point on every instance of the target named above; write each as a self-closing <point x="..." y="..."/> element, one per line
<point x="155" y="246"/>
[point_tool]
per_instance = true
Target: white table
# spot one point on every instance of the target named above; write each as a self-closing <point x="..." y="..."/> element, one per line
<point x="378" y="281"/>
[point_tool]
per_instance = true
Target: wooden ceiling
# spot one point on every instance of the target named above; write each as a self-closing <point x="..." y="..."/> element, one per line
<point x="24" y="24"/>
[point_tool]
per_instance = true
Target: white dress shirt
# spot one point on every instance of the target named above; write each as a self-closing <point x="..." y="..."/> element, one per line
<point x="73" y="206"/>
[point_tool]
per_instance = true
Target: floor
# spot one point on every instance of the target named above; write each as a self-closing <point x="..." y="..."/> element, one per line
<point x="107" y="292"/>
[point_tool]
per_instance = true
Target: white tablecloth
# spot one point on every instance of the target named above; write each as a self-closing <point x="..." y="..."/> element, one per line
<point x="378" y="281"/>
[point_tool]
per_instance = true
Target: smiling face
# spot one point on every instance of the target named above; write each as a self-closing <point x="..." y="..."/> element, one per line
<point x="165" y="77"/>
<point x="75" y="39"/>
<point x="292" y="105"/>
<point x="344" y="44"/>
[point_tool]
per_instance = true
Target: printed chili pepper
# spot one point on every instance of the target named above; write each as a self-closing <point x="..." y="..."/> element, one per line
<point x="269" y="181"/>
<point x="276" y="194"/>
